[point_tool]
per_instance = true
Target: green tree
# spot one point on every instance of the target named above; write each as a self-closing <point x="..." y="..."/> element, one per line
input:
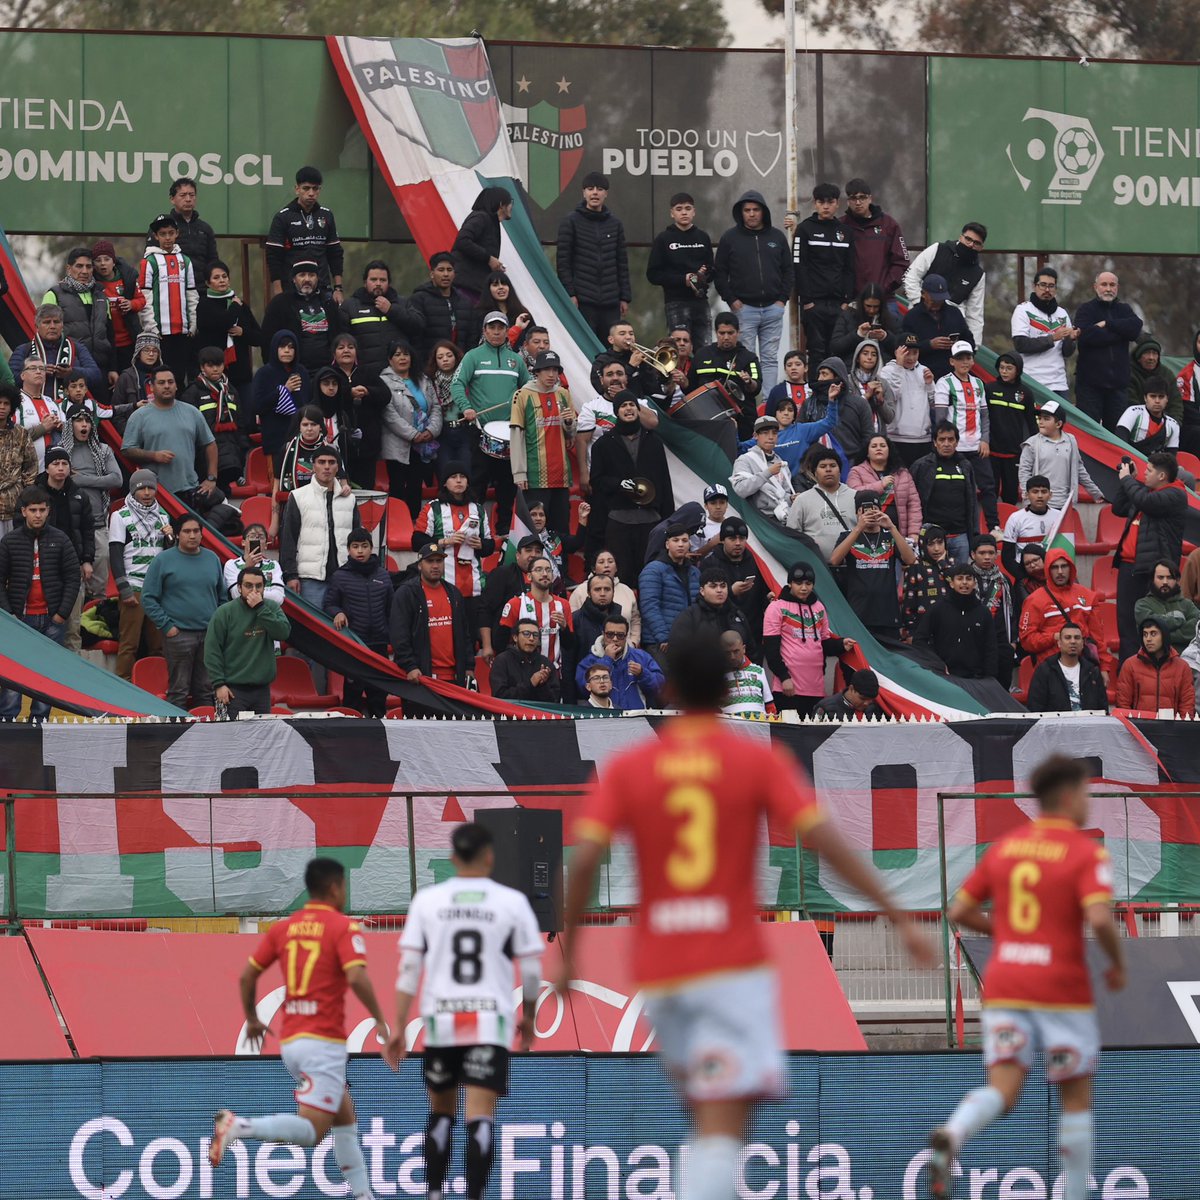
<point x="625" y="22"/>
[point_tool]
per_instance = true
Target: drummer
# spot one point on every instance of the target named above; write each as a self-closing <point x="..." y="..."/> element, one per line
<point x="481" y="393"/>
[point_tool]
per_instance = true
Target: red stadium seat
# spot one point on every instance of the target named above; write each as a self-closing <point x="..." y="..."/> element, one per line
<point x="258" y="476"/>
<point x="1024" y="674"/>
<point x="1189" y="462"/>
<point x="399" y="525"/>
<point x="294" y="685"/>
<point x="257" y="511"/>
<point x="1106" y="616"/>
<point x="1110" y="527"/>
<point x="1104" y="577"/>
<point x="150" y="674"/>
<point x="1073" y="525"/>
<point x="203" y="711"/>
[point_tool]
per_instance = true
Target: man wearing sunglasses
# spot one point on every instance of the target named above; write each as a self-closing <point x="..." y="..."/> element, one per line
<point x="959" y="265"/>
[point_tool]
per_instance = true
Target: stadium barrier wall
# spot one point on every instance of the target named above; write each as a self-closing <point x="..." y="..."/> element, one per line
<point x="586" y="1128"/>
<point x="165" y="819"/>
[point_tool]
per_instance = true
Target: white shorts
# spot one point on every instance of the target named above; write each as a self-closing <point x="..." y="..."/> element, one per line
<point x="1069" y="1038"/>
<point x="319" y="1069"/>
<point x="720" y="1038"/>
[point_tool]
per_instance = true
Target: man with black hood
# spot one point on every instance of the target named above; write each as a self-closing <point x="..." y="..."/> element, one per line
<point x="1043" y="333"/>
<point x="958" y="629"/>
<point x="732" y="364"/>
<point x="592" y="263"/>
<point x="1106" y="328"/>
<point x="1145" y="365"/>
<point x="304" y="311"/>
<point x="880" y="254"/>
<point x="477" y="246"/>
<point x="958" y="264"/>
<point x="753" y="271"/>
<point x="936" y="324"/>
<point x="376" y="315"/>
<point x="823" y="262"/>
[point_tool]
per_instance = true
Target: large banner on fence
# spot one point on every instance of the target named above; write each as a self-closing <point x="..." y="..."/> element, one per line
<point x="1067" y="156"/>
<point x="589" y="1128"/>
<point x="195" y="841"/>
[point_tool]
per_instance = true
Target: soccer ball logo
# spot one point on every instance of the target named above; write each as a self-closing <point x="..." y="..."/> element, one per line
<point x="1076" y="150"/>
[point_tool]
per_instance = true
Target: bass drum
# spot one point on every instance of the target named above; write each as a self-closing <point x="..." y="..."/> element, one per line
<point x="495" y="439"/>
<point x="708" y="403"/>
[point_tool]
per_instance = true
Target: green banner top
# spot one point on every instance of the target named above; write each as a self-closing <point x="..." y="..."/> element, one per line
<point x="1068" y="156"/>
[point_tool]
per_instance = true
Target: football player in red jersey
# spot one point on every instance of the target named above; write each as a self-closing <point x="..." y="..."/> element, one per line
<point x="693" y="800"/>
<point x="1045" y="881"/>
<point x="321" y="952"/>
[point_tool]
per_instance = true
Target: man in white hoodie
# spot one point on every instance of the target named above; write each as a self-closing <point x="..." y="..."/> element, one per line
<point x="761" y="476"/>
<point x="912" y="390"/>
<point x="1054" y="453"/>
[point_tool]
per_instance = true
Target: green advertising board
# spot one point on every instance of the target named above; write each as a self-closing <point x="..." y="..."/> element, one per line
<point x="1066" y="156"/>
<point x="94" y="127"/>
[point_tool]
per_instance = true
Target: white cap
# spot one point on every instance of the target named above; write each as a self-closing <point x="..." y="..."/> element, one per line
<point x="961" y="347"/>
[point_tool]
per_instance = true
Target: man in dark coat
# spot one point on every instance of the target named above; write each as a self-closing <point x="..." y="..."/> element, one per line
<point x="43" y="602"/>
<point x="446" y="313"/>
<point x="377" y="314"/>
<point x="592" y="261"/>
<point x="522" y="672"/>
<point x="431" y="631"/>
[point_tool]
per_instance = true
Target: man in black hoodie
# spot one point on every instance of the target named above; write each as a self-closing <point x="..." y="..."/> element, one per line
<point x="712" y="613"/>
<point x="444" y="311"/>
<point x="823" y="255"/>
<point x="747" y="588"/>
<point x="592" y="262"/>
<point x="681" y="263"/>
<point x="753" y="270"/>
<point x="376" y="315"/>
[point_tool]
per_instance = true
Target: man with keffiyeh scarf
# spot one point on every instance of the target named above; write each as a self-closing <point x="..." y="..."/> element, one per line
<point x="138" y="531"/>
<point x="61" y="354"/>
<point x="996" y="596"/>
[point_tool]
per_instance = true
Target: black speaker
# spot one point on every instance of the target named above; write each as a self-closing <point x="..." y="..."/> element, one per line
<point x="529" y="856"/>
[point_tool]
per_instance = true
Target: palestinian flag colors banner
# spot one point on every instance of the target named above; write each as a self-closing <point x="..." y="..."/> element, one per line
<point x="187" y="838"/>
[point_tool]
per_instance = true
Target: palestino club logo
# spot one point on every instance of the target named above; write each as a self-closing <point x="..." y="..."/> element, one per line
<point x="547" y="142"/>
<point x="435" y="94"/>
<point x="1064" y="158"/>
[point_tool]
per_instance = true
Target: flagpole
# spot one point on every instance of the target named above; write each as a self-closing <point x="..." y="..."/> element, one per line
<point x="789" y="134"/>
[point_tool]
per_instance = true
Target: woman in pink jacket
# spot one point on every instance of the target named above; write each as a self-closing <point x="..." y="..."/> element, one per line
<point x="796" y="642"/>
<point x="884" y="472"/>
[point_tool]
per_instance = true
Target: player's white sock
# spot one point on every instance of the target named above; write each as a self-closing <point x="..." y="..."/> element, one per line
<point x="282" y="1127"/>
<point x="975" y="1111"/>
<point x="350" y="1158"/>
<point x="711" y="1171"/>
<point x="1075" y="1137"/>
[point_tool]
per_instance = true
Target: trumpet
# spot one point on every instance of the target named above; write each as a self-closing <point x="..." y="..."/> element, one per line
<point x="663" y="356"/>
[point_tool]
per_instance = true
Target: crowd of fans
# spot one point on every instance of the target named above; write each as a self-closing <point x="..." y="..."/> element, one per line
<point x="929" y="489"/>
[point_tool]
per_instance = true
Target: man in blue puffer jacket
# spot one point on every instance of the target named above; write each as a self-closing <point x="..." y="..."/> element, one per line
<point x="666" y="587"/>
<point x="637" y="679"/>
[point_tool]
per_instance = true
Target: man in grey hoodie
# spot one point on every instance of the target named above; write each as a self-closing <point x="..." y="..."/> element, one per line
<point x="753" y="275"/>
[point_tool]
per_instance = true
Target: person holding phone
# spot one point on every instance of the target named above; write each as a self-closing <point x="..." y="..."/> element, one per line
<point x="254" y="554"/>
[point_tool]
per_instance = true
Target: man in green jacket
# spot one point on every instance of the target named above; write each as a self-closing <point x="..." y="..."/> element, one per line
<point x="482" y="391"/>
<point x="1169" y="605"/>
<point x="239" y="650"/>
